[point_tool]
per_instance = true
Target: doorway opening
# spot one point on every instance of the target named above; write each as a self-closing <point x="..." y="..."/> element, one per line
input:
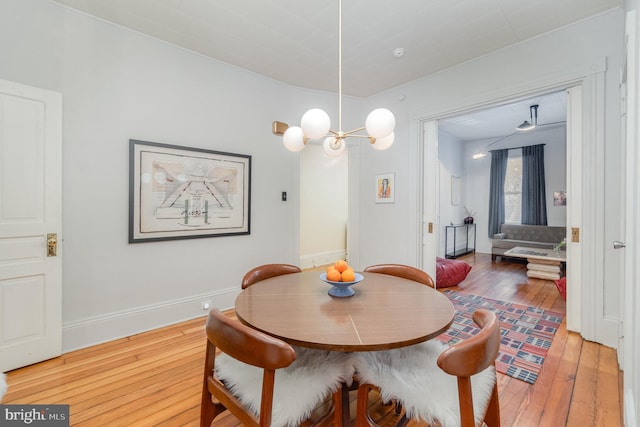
<point x="324" y="213"/>
<point x="464" y="145"/>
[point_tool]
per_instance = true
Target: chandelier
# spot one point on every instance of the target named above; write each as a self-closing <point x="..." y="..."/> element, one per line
<point x="316" y="124"/>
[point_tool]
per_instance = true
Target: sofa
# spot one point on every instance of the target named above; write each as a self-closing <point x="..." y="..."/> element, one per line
<point x="531" y="236"/>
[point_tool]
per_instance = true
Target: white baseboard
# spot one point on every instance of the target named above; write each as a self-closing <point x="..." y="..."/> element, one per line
<point x="321" y="258"/>
<point x="108" y="327"/>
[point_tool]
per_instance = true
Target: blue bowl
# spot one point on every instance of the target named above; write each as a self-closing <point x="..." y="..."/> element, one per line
<point x="341" y="289"/>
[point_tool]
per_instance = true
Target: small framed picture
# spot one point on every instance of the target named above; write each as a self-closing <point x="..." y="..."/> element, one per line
<point x="559" y="198"/>
<point x="385" y="188"/>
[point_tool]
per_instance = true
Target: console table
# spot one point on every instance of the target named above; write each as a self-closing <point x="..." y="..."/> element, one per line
<point x="460" y="234"/>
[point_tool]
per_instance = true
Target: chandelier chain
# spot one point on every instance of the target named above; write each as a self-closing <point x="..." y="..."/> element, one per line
<point x="340" y="67"/>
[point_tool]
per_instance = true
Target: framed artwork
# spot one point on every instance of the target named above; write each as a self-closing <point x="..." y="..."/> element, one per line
<point x="385" y="188"/>
<point x="559" y="198"/>
<point x="455" y="190"/>
<point x="182" y="193"/>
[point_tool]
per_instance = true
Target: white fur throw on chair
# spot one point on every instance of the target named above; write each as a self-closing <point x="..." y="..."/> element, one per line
<point x="411" y="376"/>
<point x="299" y="388"/>
<point x="3" y="385"/>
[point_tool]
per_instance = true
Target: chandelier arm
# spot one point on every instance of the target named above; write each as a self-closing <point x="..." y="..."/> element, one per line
<point x="354" y="131"/>
<point x="359" y="136"/>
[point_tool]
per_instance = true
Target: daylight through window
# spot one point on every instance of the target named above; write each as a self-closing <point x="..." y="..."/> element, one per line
<point x="513" y="188"/>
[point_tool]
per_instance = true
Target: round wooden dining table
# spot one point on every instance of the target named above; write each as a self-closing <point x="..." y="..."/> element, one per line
<point x="385" y="312"/>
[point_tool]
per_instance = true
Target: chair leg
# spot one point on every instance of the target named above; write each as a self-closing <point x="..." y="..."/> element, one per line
<point x="341" y="406"/>
<point x="398" y="407"/>
<point x="362" y="406"/>
<point x="209" y="411"/>
<point x="492" y="418"/>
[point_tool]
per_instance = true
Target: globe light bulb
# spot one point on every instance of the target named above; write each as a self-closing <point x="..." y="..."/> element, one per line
<point x="315" y="123"/>
<point x="293" y="139"/>
<point x="384" y="143"/>
<point x="333" y="147"/>
<point x="380" y="123"/>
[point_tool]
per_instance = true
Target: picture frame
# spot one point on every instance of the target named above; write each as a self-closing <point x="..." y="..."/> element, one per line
<point x="180" y="192"/>
<point x="559" y="198"/>
<point x="385" y="188"/>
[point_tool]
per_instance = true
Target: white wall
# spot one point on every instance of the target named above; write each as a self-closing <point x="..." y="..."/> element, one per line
<point x="117" y="84"/>
<point x="477" y="177"/>
<point x="490" y="78"/>
<point x="576" y="50"/>
<point x="451" y="154"/>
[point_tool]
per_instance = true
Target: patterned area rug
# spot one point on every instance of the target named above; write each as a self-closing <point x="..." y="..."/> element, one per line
<point x="527" y="332"/>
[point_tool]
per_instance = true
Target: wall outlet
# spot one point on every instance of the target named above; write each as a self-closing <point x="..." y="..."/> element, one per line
<point x="205" y="305"/>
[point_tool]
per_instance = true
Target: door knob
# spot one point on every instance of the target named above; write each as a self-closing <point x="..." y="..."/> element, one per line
<point x="618" y="244"/>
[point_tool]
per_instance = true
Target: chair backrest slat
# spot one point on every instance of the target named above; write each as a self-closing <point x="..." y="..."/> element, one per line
<point x="249" y="346"/>
<point x="267" y="271"/>
<point x="477" y="353"/>
<point x="470" y="357"/>
<point x="404" y="271"/>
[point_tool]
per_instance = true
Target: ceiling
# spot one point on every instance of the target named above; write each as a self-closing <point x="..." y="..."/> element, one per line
<point x="296" y="41"/>
<point x="498" y="121"/>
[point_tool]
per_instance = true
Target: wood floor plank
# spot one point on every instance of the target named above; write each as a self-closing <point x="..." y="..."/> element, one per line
<point x="536" y="398"/>
<point x="607" y="390"/>
<point x="582" y="410"/>
<point x="154" y="378"/>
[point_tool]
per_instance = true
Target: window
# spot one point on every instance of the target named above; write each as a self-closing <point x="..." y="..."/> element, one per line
<point x="513" y="188"/>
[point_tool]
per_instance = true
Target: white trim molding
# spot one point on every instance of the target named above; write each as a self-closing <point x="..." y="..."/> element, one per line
<point x="322" y="258"/>
<point x="108" y="327"/>
<point x="586" y="312"/>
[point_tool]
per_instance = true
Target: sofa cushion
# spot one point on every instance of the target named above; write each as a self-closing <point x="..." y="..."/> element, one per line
<point x="532" y="236"/>
<point x="534" y="233"/>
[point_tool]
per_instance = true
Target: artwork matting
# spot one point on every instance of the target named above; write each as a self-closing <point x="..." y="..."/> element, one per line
<point x="180" y="192"/>
<point x="385" y="188"/>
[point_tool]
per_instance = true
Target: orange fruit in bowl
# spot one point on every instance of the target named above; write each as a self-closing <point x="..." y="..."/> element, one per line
<point x="333" y="275"/>
<point x="348" y="275"/>
<point x="341" y="265"/>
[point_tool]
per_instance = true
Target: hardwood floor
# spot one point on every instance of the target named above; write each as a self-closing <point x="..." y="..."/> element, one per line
<point x="154" y="378"/>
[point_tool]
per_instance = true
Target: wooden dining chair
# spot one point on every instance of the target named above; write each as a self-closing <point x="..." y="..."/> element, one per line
<point x="404" y="271"/>
<point x="264" y="382"/>
<point x="267" y="271"/>
<point x="461" y="390"/>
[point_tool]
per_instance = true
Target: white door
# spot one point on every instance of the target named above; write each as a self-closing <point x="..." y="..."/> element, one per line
<point x="574" y="207"/>
<point x="30" y="210"/>
<point x="631" y="292"/>
<point x="430" y="197"/>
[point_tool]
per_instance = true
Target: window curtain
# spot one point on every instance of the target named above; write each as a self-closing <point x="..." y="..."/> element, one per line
<point x="534" y="198"/>
<point x="496" y="190"/>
